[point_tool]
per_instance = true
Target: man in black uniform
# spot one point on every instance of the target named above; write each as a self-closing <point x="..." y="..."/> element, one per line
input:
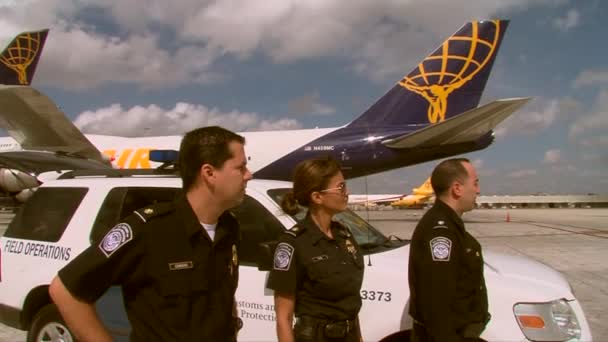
<point x="448" y="299"/>
<point x="176" y="262"/>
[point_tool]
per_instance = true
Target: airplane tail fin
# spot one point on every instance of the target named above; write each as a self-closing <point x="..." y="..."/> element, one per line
<point x="19" y="59"/>
<point x="448" y="82"/>
<point x="425" y="189"/>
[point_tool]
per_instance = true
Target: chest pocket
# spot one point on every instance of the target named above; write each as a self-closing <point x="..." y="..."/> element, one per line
<point x="472" y="254"/>
<point x="183" y="282"/>
<point x="324" y="267"/>
<point x="333" y="278"/>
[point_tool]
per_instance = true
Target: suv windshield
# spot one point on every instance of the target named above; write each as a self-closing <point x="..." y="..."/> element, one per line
<point x="368" y="237"/>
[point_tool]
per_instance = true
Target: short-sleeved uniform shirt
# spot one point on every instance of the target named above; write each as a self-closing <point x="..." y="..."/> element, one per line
<point x="177" y="284"/>
<point x="446" y="279"/>
<point x="324" y="275"/>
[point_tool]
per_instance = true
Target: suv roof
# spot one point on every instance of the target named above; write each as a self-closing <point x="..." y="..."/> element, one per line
<point x="139" y="177"/>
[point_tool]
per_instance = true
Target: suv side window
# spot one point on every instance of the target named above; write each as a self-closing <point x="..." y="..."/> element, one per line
<point x="45" y="216"/>
<point x="257" y="225"/>
<point x="121" y="202"/>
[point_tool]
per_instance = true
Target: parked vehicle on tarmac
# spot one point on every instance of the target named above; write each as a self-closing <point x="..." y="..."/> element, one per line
<point x="528" y="300"/>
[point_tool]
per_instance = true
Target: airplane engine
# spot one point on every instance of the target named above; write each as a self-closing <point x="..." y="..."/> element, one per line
<point x="15" y="181"/>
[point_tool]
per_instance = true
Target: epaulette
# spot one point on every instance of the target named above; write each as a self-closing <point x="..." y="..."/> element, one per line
<point x="155" y="210"/>
<point x="295" y="230"/>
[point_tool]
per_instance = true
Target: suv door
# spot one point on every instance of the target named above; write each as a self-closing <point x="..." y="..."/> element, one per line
<point x="118" y="204"/>
<point x="254" y="302"/>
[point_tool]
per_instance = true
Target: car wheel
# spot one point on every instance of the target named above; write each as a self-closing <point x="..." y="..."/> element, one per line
<point x="48" y="326"/>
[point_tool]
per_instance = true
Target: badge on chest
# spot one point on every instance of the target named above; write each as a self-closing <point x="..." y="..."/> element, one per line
<point x="351" y="248"/>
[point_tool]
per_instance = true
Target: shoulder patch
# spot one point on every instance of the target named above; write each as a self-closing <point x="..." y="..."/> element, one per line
<point x="282" y="256"/>
<point x="441" y="248"/>
<point x="116" y="238"/>
<point x="151" y="211"/>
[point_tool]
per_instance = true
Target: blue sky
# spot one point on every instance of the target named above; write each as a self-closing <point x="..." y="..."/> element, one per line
<point x="279" y="64"/>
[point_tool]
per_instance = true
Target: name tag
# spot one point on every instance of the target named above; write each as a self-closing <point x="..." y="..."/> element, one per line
<point x="319" y="258"/>
<point x="183" y="265"/>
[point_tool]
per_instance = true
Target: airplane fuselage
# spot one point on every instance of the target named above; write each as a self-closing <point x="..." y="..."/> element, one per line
<point x="273" y="154"/>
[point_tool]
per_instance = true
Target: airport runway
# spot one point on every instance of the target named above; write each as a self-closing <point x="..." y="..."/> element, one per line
<point x="573" y="241"/>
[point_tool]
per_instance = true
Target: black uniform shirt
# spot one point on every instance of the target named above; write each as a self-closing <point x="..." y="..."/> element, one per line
<point x="177" y="284"/>
<point x="324" y="274"/>
<point x="446" y="275"/>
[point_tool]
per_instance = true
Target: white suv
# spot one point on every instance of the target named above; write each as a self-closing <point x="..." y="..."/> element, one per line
<point x="65" y="215"/>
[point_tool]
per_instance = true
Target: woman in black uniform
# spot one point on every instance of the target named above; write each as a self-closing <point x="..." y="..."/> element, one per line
<point x="318" y="267"/>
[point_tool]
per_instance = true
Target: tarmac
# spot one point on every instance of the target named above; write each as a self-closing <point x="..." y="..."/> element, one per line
<point x="573" y="241"/>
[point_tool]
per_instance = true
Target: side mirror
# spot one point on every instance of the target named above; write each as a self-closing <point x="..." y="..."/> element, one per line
<point x="266" y="255"/>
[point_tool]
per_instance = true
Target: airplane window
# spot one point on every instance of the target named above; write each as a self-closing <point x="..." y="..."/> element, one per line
<point x="257" y="225"/>
<point x="59" y="205"/>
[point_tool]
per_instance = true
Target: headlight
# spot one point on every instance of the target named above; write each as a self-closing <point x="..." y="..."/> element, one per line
<point x="552" y="321"/>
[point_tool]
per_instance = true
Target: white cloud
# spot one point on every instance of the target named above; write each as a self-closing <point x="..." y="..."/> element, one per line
<point x="281" y="124"/>
<point x="477" y="163"/>
<point x="569" y="21"/>
<point x="590" y="77"/>
<point x="596" y="120"/>
<point x="310" y="104"/>
<point x="532" y="121"/>
<point x="552" y="156"/>
<point x="522" y="173"/>
<point x="156" y="121"/>
<point x="597" y="141"/>
<point x="379" y="38"/>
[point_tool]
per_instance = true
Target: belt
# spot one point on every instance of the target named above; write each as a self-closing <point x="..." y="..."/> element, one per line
<point x="470" y="330"/>
<point x="349" y="324"/>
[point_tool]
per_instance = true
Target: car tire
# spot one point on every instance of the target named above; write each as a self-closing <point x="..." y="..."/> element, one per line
<point x="48" y="325"/>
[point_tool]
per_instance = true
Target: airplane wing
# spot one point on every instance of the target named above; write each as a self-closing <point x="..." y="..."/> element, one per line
<point x="377" y="199"/>
<point x="468" y="126"/>
<point x="36" y="123"/>
<point x="38" y="162"/>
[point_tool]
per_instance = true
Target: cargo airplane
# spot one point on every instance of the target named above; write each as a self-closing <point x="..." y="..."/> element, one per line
<point x="429" y="114"/>
<point x="417" y="198"/>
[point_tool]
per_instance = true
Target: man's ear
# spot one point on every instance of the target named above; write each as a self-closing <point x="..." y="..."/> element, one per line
<point x="206" y="172"/>
<point x="457" y="189"/>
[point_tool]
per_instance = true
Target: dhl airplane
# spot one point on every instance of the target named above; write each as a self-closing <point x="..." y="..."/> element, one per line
<point x="429" y="114"/>
<point x="418" y="197"/>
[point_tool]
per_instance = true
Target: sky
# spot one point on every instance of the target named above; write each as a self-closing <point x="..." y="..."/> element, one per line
<point x="124" y="67"/>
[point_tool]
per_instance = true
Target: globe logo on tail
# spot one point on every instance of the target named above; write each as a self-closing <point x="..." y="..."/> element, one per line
<point x="438" y="75"/>
<point x="20" y="56"/>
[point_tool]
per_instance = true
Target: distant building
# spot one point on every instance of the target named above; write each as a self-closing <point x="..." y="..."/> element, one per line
<point x="543" y="201"/>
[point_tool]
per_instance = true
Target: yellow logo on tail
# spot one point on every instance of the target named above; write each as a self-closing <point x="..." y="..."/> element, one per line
<point x="20" y="56"/>
<point x="437" y="93"/>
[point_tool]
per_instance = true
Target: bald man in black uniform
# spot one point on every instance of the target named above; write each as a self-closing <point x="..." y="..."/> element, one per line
<point x="449" y="301"/>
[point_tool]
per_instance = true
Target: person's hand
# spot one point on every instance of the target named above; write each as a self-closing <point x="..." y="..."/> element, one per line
<point x="238" y="325"/>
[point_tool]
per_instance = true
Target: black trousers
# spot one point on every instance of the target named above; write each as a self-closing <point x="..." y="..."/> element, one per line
<point x="419" y="334"/>
<point x="311" y="329"/>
